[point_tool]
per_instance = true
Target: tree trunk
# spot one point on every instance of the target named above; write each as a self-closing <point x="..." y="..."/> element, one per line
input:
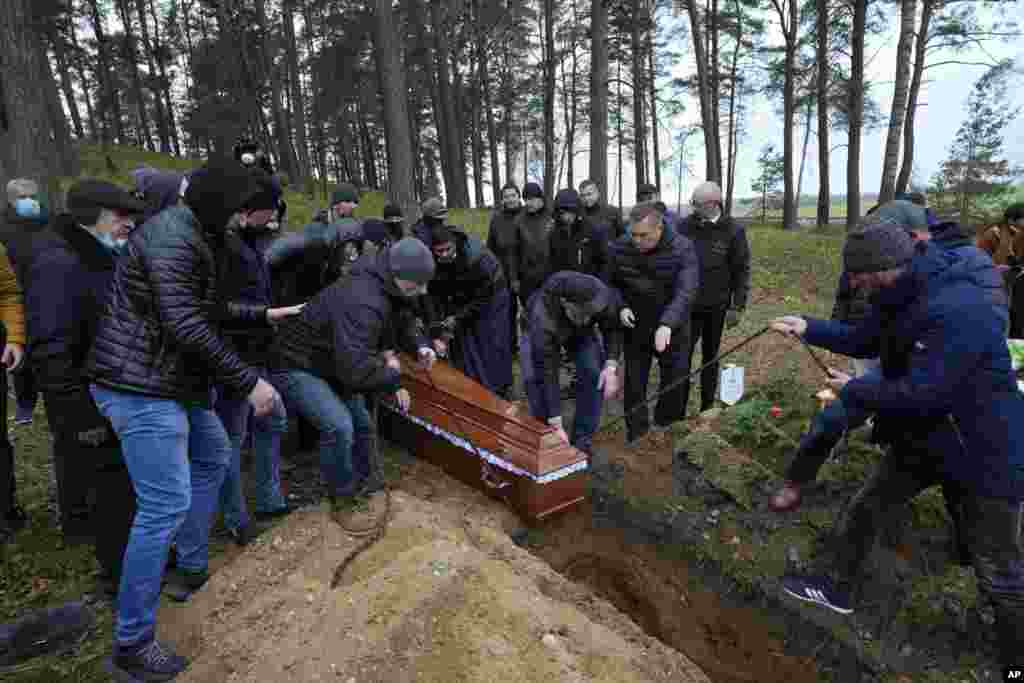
<point x="68" y="90"/>
<point x="639" y="136"/>
<point x="95" y="127"/>
<point x="789" y="114"/>
<point x="30" y="128"/>
<point x="462" y="164"/>
<point x="478" y="141"/>
<point x="394" y="91"/>
<point x="899" y="101"/>
<point x="921" y="46"/>
<point x="165" y="82"/>
<point x="67" y="157"/>
<point x="549" y="99"/>
<point x="856" y="114"/>
<point x="133" y="57"/>
<point x="714" y="84"/>
<point x="492" y="132"/>
<point x="282" y="127"/>
<point x="653" y="94"/>
<point x="295" y="87"/>
<point x="443" y="113"/>
<point x="803" y="153"/>
<point x="707" y="118"/>
<point x="731" y="145"/>
<point x="163" y="130"/>
<point x="824" y="192"/>
<point x="111" y="98"/>
<point x="599" y="94"/>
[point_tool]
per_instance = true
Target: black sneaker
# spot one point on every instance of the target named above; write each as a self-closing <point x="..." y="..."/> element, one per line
<point x="182" y="583"/>
<point x="819" y="590"/>
<point x="153" y="661"/>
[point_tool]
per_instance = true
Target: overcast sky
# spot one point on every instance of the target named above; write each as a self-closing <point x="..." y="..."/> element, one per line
<point x="943" y="97"/>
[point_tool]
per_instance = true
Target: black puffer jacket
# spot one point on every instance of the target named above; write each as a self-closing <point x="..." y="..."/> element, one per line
<point x="578" y="246"/>
<point x="243" y="278"/>
<point x="503" y="240"/>
<point x="659" y="285"/>
<point x="534" y="252"/>
<point x="305" y="262"/>
<point x="607" y="220"/>
<point x="465" y="287"/>
<point x="724" y="255"/>
<point x="158" y="335"/>
<point x="340" y="333"/>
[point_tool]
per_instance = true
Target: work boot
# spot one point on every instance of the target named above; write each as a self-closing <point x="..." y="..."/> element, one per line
<point x="182" y="583"/>
<point x="153" y="661"/>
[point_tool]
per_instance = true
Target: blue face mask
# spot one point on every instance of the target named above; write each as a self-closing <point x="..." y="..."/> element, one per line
<point x="27" y="207"/>
<point x="107" y="240"/>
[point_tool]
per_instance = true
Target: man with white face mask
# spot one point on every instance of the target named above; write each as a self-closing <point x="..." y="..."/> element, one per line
<point x="66" y="282"/>
<point x="724" y="256"/>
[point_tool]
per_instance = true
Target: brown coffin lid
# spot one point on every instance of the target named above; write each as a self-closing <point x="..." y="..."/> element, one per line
<point x="457" y="404"/>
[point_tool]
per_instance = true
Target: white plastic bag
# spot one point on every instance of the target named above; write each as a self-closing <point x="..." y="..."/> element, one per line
<point x="730" y="384"/>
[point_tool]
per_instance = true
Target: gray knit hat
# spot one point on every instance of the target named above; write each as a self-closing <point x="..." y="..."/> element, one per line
<point x="901" y="213"/>
<point x="875" y="248"/>
<point x="410" y="259"/>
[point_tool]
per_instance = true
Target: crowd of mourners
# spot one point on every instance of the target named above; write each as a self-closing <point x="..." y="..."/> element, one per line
<point x="170" y="327"/>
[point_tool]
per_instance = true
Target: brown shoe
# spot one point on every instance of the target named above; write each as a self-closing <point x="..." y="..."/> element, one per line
<point x="787" y="499"/>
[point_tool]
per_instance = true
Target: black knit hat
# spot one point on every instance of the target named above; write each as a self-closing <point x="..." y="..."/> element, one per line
<point x="345" y="192"/>
<point x="219" y="190"/>
<point x="644" y="190"/>
<point x="441" y="234"/>
<point x="269" y="194"/>
<point x="409" y="259"/>
<point x="87" y="198"/>
<point x="393" y="213"/>
<point x="876" y="248"/>
<point x="567" y="200"/>
<point x="532" y="191"/>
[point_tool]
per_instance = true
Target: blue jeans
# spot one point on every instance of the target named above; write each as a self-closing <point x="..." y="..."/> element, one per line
<point x="268" y="431"/>
<point x="176" y="455"/>
<point x="343" y="423"/>
<point x="588" y="355"/>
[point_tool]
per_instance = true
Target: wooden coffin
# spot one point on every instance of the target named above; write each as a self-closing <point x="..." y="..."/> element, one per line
<point x="486" y="442"/>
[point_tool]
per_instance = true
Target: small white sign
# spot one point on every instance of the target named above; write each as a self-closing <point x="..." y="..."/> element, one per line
<point x="730" y="384"/>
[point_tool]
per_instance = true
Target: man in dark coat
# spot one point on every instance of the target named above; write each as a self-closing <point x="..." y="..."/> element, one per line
<point x="606" y="220"/>
<point x="66" y="284"/>
<point x="575" y="243"/>
<point x="949" y="397"/>
<point x="157" y="190"/>
<point x="503" y="241"/>
<point x="157" y="356"/>
<point x="383" y="232"/>
<point x="564" y="314"/>
<point x="533" y="261"/>
<point x="658" y="275"/>
<point x="467" y="306"/>
<point x="724" y="256"/>
<point x="649" y="192"/>
<point x="24" y="217"/>
<point x="336" y="351"/>
<point x="251" y="154"/>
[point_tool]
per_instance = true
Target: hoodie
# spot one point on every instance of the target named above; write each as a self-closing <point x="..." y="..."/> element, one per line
<point x="161" y="189"/>
<point x="946" y="376"/>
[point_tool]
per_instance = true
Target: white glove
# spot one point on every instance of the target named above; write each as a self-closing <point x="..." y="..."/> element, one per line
<point x="609" y="380"/>
<point x="662" y="338"/>
<point x="627" y="318"/>
<point x="427" y="357"/>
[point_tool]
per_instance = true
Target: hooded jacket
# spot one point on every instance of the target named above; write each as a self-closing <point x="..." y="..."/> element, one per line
<point x="17" y="235"/>
<point x="340" y="333"/>
<point x="161" y="189"/>
<point x="724" y="255"/>
<point x="550" y="330"/>
<point x="658" y="285"/>
<point x="464" y="288"/>
<point x="159" y="334"/>
<point x="306" y="262"/>
<point x="944" y="357"/>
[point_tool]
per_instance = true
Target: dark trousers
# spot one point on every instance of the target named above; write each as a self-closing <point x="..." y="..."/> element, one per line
<point x="25" y="386"/>
<point x="705" y="326"/>
<point x="992" y="532"/>
<point x="7" y="485"/>
<point x="673" y="365"/>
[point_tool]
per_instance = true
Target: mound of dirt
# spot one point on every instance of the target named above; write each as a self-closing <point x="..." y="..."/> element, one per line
<point x="438" y="598"/>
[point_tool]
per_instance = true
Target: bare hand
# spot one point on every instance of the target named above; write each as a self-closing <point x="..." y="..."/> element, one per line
<point x="790" y="324"/>
<point x="609" y="381"/>
<point x="391" y="360"/>
<point x="13" y="355"/>
<point x="427" y="357"/>
<point x="627" y="318"/>
<point x="441" y="347"/>
<point x="562" y="435"/>
<point x="278" y="314"/>
<point x="662" y="338"/>
<point x="838" y="379"/>
<point x="262" y="397"/>
<point x="403" y="399"/>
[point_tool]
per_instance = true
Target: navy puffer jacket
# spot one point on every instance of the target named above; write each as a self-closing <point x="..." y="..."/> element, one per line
<point x="944" y="363"/>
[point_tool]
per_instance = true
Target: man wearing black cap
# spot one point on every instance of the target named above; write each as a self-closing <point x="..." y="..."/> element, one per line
<point x="467" y="306"/>
<point x="385" y="232"/>
<point x="947" y="404"/>
<point x="533" y="261"/>
<point x="66" y="282"/>
<point x="305" y="262"/>
<point x="157" y="356"/>
<point x="337" y="350"/>
<point x="251" y="154"/>
<point x="575" y="245"/>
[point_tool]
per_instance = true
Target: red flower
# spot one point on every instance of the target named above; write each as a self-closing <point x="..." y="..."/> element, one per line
<point x="775" y="411"/>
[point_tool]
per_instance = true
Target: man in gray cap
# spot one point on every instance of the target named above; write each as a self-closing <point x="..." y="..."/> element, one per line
<point x="342" y="347"/>
<point x="947" y="407"/>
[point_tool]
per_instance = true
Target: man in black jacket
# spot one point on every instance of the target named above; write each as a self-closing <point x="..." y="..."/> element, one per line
<point x="575" y="244"/>
<point x="607" y="220"/>
<point x="503" y="241"/>
<point x="336" y="351"/>
<point x="24" y="218"/>
<point x="383" y="232"/>
<point x="66" y="282"/>
<point x="157" y="355"/>
<point x="562" y="315"/>
<point x="533" y="261"/>
<point x="467" y="306"/>
<point x="724" y="256"/>
<point x="658" y="275"/>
